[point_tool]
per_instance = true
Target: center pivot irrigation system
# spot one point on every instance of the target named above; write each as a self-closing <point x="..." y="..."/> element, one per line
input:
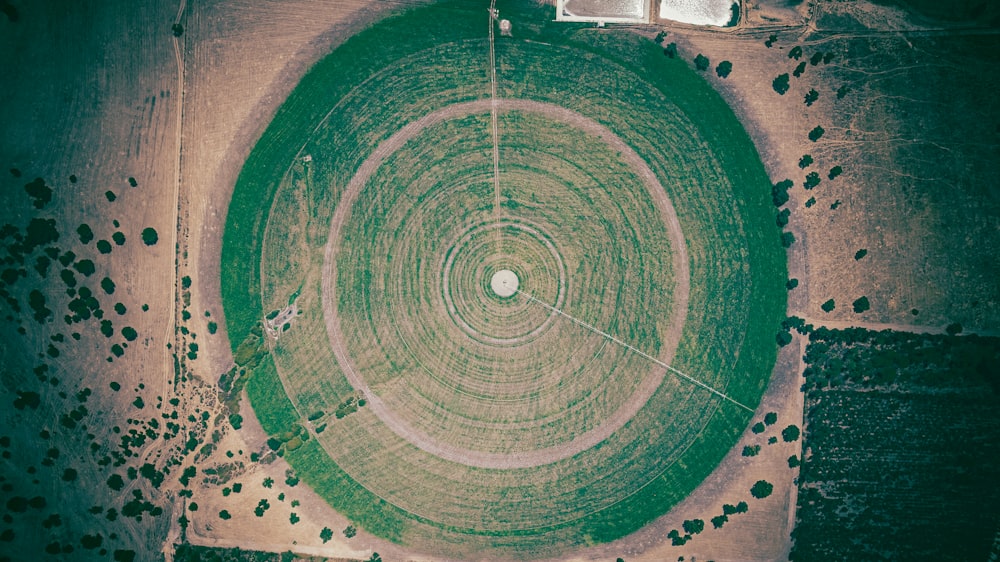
<point x="536" y="291"/>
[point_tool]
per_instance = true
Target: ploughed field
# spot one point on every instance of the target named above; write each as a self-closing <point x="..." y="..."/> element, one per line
<point x="429" y="407"/>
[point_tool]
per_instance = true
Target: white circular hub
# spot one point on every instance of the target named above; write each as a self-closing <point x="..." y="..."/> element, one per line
<point x="504" y="283"/>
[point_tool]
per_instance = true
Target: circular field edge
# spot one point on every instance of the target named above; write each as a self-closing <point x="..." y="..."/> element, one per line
<point x="268" y="162"/>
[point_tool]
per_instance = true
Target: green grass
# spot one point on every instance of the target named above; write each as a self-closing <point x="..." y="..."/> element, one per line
<point x="671" y="118"/>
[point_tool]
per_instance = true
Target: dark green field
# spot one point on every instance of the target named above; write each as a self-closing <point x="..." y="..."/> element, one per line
<point x="902" y="436"/>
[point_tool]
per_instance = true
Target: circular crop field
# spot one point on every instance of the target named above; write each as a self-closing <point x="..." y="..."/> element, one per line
<point x="481" y="326"/>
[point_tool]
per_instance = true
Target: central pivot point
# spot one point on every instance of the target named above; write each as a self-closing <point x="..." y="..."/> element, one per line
<point x="504" y="283"/>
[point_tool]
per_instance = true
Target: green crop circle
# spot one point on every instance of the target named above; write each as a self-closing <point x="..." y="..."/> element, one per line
<point x="633" y="210"/>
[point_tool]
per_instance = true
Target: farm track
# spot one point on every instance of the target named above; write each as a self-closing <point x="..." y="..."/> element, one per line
<point x="671" y="337"/>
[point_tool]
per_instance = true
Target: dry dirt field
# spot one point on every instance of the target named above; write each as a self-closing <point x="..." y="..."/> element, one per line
<point x="107" y="93"/>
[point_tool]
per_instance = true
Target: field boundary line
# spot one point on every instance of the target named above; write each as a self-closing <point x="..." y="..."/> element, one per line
<point x="630" y="348"/>
<point x="494" y="102"/>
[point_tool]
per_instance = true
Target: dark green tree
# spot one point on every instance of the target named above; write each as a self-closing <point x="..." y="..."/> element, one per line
<point x="724" y="69"/>
<point x="701" y="62"/>
<point x="782" y="218"/>
<point x="816" y="133"/>
<point x="861" y="305"/>
<point x="149" y="236"/>
<point x="828" y="306"/>
<point x="780" y="84"/>
<point x="693" y="526"/>
<point x="761" y="489"/>
<point x="783" y="338"/>
<point x="790" y="433"/>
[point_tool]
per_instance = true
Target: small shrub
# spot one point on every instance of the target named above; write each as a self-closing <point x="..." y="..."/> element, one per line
<point x="724" y="69"/>
<point x="799" y="69"/>
<point x="751" y="451"/>
<point x="828" y="306"/>
<point x="701" y="62"/>
<point x="791" y="284"/>
<point x="816" y="133"/>
<point x="812" y="180"/>
<point x="861" y="305"/>
<point x="795" y="52"/>
<point x="350" y="531"/>
<point x="811" y="97"/>
<point x="224" y="515"/>
<point x="805" y="161"/>
<point x="834" y="172"/>
<point x="860" y="254"/>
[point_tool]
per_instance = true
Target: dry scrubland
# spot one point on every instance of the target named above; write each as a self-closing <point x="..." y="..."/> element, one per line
<point x="94" y="94"/>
